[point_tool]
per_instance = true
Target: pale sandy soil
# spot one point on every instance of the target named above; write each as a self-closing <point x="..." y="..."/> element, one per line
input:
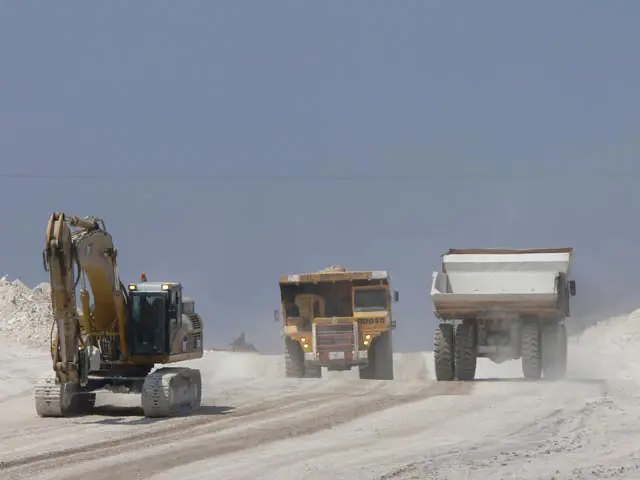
<point x="255" y="424"/>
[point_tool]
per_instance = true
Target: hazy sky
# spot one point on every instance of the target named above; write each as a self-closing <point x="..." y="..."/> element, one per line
<point x="227" y="142"/>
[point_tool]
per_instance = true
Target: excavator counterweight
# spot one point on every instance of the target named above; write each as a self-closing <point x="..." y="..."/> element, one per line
<point x="114" y="343"/>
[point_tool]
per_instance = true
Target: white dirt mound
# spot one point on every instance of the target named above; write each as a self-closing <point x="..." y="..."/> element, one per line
<point x="609" y="349"/>
<point x="25" y="313"/>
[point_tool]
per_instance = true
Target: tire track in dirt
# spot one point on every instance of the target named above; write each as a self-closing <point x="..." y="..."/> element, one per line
<point x="256" y="425"/>
<point x="326" y="415"/>
<point x="179" y="427"/>
<point x="556" y="431"/>
<point x="174" y="428"/>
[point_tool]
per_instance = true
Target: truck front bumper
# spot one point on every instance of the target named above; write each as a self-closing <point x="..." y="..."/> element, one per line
<point x="362" y="358"/>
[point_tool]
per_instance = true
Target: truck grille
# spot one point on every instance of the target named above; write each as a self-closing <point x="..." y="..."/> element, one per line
<point x="335" y="342"/>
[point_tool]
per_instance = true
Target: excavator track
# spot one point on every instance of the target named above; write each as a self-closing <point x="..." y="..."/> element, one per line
<point x="61" y="399"/>
<point x="172" y="391"/>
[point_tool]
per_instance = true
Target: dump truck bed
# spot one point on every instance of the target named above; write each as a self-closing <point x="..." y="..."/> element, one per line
<point x="477" y="283"/>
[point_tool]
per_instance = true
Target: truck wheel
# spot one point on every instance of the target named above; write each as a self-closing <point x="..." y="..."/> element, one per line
<point x="466" y="353"/>
<point x="380" y="365"/>
<point x="443" y="352"/>
<point x="293" y="360"/>
<point x="368" y="372"/>
<point x="554" y="351"/>
<point x="383" y="357"/>
<point x="531" y="358"/>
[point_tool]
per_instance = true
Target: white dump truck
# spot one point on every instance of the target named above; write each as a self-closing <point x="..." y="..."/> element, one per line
<point x="503" y="305"/>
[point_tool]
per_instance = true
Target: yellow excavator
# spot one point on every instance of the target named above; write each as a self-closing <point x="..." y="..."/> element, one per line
<point x="113" y="344"/>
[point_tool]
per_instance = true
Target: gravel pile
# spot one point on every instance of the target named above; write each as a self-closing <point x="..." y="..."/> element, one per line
<point x="25" y="313"/>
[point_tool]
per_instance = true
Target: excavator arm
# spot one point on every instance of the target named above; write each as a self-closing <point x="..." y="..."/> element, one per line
<point x="58" y="260"/>
<point x="79" y="337"/>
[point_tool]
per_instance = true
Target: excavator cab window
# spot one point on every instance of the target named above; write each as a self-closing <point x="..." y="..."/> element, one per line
<point x="148" y="323"/>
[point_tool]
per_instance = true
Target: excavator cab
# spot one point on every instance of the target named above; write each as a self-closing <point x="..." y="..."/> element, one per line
<point x="154" y="315"/>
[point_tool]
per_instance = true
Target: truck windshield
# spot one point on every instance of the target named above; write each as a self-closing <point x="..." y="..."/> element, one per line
<point x="369" y="299"/>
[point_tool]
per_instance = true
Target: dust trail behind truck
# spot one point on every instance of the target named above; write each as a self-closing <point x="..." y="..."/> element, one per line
<point x="503" y="305"/>
<point x="339" y="319"/>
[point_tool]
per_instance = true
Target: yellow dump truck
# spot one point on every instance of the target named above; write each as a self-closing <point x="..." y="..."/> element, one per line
<point x="339" y="319"/>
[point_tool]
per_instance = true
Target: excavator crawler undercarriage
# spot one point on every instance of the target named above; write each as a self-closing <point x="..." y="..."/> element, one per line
<point x="171" y="391"/>
<point x="166" y="392"/>
<point x="61" y="399"/>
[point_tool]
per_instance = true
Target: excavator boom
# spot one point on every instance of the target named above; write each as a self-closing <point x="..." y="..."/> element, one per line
<point x="91" y="249"/>
<point x="58" y="260"/>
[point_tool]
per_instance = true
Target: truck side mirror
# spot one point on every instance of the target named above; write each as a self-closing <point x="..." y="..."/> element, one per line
<point x="276" y="315"/>
<point x="572" y="288"/>
<point x="396" y="296"/>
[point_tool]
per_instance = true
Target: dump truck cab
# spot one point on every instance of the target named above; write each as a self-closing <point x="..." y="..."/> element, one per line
<point x="338" y="318"/>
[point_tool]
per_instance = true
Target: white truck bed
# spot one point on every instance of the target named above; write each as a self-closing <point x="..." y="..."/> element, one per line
<point x="481" y="282"/>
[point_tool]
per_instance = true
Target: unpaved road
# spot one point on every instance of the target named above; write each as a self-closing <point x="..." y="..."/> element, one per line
<point x="119" y="443"/>
<point x="494" y="430"/>
<point x="248" y="427"/>
<point x="257" y="425"/>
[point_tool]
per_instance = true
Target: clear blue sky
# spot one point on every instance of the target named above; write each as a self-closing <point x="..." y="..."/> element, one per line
<point x="227" y="142"/>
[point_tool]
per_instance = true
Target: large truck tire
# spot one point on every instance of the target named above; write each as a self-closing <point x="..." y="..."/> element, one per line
<point x="443" y="352"/>
<point x="554" y="351"/>
<point x="531" y="351"/>
<point x="366" y="372"/>
<point x="384" y="356"/>
<point x="466" y="352"/>
<point x="380" y="366"/>
<point x="293" y="360"/>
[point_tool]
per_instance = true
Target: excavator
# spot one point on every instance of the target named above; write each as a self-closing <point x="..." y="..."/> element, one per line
<point x="115" y="343"/>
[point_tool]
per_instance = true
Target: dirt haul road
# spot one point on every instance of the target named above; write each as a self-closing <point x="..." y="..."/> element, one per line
<point x="267" y="411"/>
<point x="257" y="425"/>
